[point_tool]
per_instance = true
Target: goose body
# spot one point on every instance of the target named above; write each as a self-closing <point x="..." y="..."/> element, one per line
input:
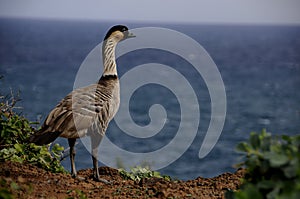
<point x="87" y="111"/>
<point x="81" y="112"/>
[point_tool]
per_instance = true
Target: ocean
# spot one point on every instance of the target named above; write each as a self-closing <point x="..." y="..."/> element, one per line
<point x="259" y="66"/>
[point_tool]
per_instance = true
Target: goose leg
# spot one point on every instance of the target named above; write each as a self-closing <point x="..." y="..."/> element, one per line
<point x="72" y="142"/>
<point x="95" y="140"/>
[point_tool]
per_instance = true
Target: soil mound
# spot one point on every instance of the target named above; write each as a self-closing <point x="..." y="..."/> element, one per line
<point x="28" y="181"/>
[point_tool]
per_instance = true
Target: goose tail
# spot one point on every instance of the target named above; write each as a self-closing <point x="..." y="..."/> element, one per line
<point x="43" y="137"/>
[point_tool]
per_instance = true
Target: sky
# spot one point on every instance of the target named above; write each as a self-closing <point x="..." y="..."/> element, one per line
<point x="173" y="11"/>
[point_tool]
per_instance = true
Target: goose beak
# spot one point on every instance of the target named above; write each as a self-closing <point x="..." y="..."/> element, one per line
<point x="130" y="35"/>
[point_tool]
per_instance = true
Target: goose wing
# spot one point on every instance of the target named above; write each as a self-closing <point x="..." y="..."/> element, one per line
<point x="77" y="112"/>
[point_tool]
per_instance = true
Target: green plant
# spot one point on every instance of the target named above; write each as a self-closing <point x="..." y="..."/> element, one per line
<point x="137" y="173"/>
<point x="76" y="194"/>
<point x="10" y="189"/>
<point x="273" y="167"/>
<point x="14" y="133"/>
<point x="5" y="191"/>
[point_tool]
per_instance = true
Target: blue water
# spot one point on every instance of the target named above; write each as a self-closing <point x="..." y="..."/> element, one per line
<point x="260" y="67"/>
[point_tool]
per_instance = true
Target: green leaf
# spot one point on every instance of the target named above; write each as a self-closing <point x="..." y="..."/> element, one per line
<point x="249" y="192"/>
<point x="5" y="194"/>
<point x="14" y="186"/>
<point x="266" y="184"/>
<point x="278" y="160"/>
<point x="156" y="174"/>
<point x="291" y="170"/>
<point x="286" y="138"/>
<point x="243" y="147"/>
<point x="18" y="147"/>
<point x="254" y="140"/>
<point x="273" y="167"/>
<point x="275" y="191"/>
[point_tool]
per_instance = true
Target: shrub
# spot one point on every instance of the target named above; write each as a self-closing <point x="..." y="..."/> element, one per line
<point x="273" y="167"/>
<point x="14" y="133"/>
<point x="137" y="173"/>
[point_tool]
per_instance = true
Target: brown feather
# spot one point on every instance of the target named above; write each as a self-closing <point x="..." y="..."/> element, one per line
<point x="75" y="115"/>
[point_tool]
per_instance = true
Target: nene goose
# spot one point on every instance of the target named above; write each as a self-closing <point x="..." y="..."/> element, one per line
<point x="87" y="111"/>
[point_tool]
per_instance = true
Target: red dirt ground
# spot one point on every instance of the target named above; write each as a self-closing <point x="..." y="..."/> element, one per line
<point x="27" y="181"/>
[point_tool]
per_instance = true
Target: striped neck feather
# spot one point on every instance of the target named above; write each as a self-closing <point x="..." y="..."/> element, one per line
<point x="109" y="58"/>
